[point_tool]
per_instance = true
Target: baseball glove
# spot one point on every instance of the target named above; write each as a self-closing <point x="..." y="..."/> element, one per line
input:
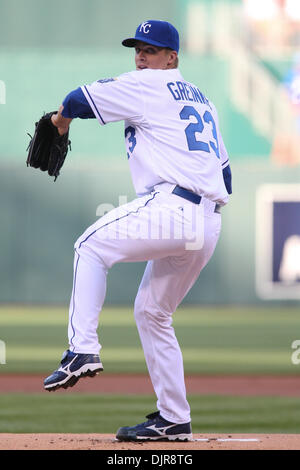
<point x="47" y="149"/>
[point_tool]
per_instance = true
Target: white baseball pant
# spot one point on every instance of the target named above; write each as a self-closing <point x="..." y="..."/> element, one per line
<point x="157" y="228"/>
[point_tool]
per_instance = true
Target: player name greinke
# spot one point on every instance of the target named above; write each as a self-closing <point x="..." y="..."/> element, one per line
<point x="186" y="92"/>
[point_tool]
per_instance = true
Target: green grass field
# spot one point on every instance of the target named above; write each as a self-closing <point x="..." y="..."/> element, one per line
<point x="76" y="413"/>
<point x="213" y="340"/>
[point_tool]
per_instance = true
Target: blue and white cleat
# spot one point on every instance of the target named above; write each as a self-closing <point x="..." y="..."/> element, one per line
<point x="73" y="367"/>
<point x="156" y="429"/>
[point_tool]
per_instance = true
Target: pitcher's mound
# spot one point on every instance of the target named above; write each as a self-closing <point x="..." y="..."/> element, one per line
<point x="108" y="442"/>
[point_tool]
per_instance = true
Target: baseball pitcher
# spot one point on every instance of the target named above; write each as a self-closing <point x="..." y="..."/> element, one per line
<point x="181" y="174"/>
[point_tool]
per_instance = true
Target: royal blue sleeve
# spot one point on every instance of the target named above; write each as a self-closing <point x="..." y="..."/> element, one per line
<point x="227" y="179"/>
<point x="76" y="106"/>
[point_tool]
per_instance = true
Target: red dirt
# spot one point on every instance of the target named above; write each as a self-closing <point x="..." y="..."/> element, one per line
<point x="108" y="442"/>
<point x="140" y="384"/>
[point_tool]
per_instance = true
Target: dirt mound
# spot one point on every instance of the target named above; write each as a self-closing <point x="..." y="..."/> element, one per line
<point x="108" y="442"/>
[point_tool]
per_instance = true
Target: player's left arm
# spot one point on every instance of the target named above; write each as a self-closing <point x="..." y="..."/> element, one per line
<point x="60" y="121"/>
<point x="75" y="105"/>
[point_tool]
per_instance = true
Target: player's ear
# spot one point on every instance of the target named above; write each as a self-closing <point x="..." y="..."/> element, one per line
<point x="172" y="60"/>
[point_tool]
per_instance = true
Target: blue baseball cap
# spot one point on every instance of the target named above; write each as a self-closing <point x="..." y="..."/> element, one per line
<point x="156" y="32"/>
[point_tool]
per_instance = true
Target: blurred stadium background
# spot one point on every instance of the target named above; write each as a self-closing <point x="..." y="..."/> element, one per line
<point x="242" y="314"/>
<point x="242" y="54"/>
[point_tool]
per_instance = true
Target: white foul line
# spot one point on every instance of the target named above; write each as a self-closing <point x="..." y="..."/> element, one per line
<point x="226" y="440"/>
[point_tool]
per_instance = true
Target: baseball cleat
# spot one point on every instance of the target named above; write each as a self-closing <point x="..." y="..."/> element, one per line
<point x="73" y="367"/>
<point x="156" y="429"/>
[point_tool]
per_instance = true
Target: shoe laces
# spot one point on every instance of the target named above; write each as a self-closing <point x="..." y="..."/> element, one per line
<point x="67" y="355"/>
<point x="152" y="416"/>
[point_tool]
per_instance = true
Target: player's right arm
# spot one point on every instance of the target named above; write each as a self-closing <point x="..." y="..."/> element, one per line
<point x="224" y="158"/>
<point x="226" y="170"/>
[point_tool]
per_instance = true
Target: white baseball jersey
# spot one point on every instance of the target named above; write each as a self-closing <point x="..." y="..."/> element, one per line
<point x="171" y="130"/>
<point x="172" y="137"/>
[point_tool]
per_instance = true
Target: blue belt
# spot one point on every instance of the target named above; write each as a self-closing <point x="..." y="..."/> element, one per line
<point x="190" y="196"/>
<point x="186" y="194"/>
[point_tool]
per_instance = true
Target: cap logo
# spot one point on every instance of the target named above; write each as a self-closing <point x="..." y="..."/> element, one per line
<point x="145" y="27"/>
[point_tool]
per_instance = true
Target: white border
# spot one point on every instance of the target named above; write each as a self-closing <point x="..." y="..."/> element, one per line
<point x="266" y="195"/>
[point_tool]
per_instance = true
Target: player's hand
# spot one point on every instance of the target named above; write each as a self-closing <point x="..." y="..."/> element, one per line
<point x="61" y="122"/>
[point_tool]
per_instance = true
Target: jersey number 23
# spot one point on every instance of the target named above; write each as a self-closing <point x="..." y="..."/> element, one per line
<point x="190" y="132"/>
